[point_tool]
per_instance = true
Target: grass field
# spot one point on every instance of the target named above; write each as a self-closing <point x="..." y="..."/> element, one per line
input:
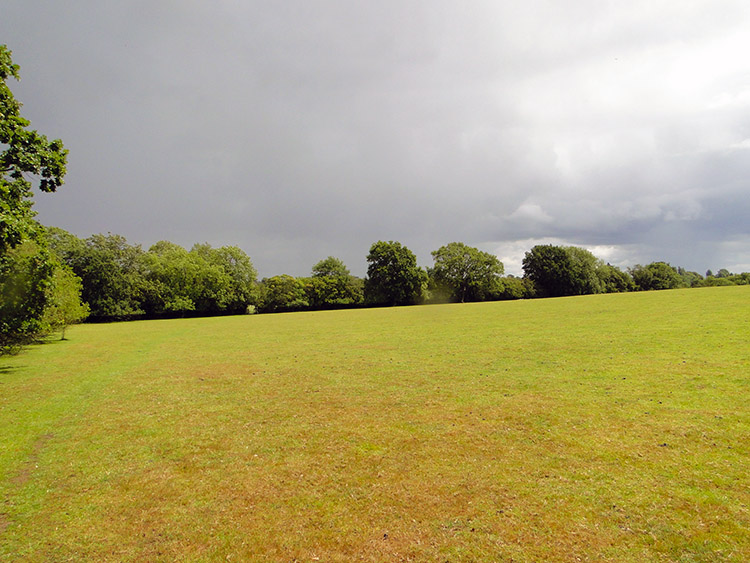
<point x="598" y="428"/>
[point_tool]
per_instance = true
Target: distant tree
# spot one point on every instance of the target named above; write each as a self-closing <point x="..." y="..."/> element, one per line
<point x="171" y="277"/>
<point x="226" y="279"/>
<point x="562" y="270"/>
<point x="467" y="273"/>
<point x="393" y="277"/>
<point x="713" y="281"/>
<point x="331" y="285"/>
<point x="551" y="270"/>
<point x="111" y="270"/>
<point x="586" y="279"/>
<point x="613" y="279"/>
<point x="330" y="267"/>
<point x="243" y="291"/>
<point x="65" y="306"/>
<point x="656" y="275"/>
<point x="689" y="279"/>
<point x="723" y="273"/>
<point x="571" y="270"/>
<point x="511" y="287"/>
<point x="282" y="293"/>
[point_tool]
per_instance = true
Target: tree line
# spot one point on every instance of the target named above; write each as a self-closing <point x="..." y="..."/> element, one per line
<point x="50" y="278"/>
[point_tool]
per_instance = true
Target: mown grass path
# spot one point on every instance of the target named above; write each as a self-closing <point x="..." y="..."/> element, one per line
<point x="610" y="427"/>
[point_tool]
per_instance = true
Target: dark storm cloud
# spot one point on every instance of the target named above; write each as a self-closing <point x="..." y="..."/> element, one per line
<point x="302" y="129"/>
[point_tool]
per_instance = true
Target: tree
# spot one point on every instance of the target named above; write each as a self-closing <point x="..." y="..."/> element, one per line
<point x="689" y="279"/>
<point x="65" y="307"/>
<point x="243" y="275"/>
<point x="282" y="293"/>
<point x="226" y="279"/>
<point x="613" y="279"/>
<point x="393" y="277"/>
<point x="112" y="272"/>
<point x="25" y="282"/>
<point x="171" y="276"/>
<point x="25" y="152"/>
<point x="656" y="275"/>
<point x="510" y="287"/>
<point x="562" y="270"/>
<point x="330" y="267"/>
<point x="331" y="285"/>
<point x="26" y="274"/>
<point x="585" y="271"/>
<point x="468" y="273"/>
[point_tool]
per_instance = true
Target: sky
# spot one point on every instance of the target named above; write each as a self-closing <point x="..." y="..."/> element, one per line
<point x="299" y="129"/>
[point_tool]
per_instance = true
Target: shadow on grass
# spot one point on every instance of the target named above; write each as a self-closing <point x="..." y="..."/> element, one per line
<point x="7" y="370"/>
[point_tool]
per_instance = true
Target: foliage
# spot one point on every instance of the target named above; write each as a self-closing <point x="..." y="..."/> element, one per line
<point x="282" y="293"/>
<point x="112" y="272"/>
<point x="330" y="267"/>
<point x="327" y="292"/>
<point x="726" y="278"/>
<point x="613" y="279"/>
<point x="549" y="268"/>
<point x="121" y="280"/>
<point x="511" y="287"/>
<point x="656" y="275"/>
<point x="64" y="307"/>
<point x="25" y="152"/>
<point x="468" y="273"/>
<point x="393" y="277"/>
<point x="562" y="270"/>
<point x="25" y="265"/>
<point x="332" y="286"/>
<point x="226" y="279"/>
<point x="171" y="275"/>
<point x="689" y="279"/>
<point x="25" y="281"/>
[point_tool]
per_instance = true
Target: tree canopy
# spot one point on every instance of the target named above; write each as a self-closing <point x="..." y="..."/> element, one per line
<point x="393" y="277"/>
<point x="25" y="152"/>
<point x="330" y="267"/>
<point x="571" y="270"/>
<point x="468" y="273"/>
<point x="26" y="266"/>
<point x="656" y="275"/>
<point x="121" y="280"/>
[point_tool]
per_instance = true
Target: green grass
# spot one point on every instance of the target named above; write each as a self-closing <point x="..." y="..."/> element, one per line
<point x="609" y="427"/>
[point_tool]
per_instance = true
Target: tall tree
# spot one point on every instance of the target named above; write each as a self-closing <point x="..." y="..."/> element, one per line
<point x="550" y="268"/>
<point x="562" y="270"/>
<point x="468" y="273"/>
<point x="331" y="285"/>
<point x="393" y="277"/>
<point x="228" y="277"/>
<point x="112" y="272"/>
<point x="25" y="152"/>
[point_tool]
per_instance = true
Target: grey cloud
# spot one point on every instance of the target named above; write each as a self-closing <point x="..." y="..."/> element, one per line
<point x="302" y="129"/>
